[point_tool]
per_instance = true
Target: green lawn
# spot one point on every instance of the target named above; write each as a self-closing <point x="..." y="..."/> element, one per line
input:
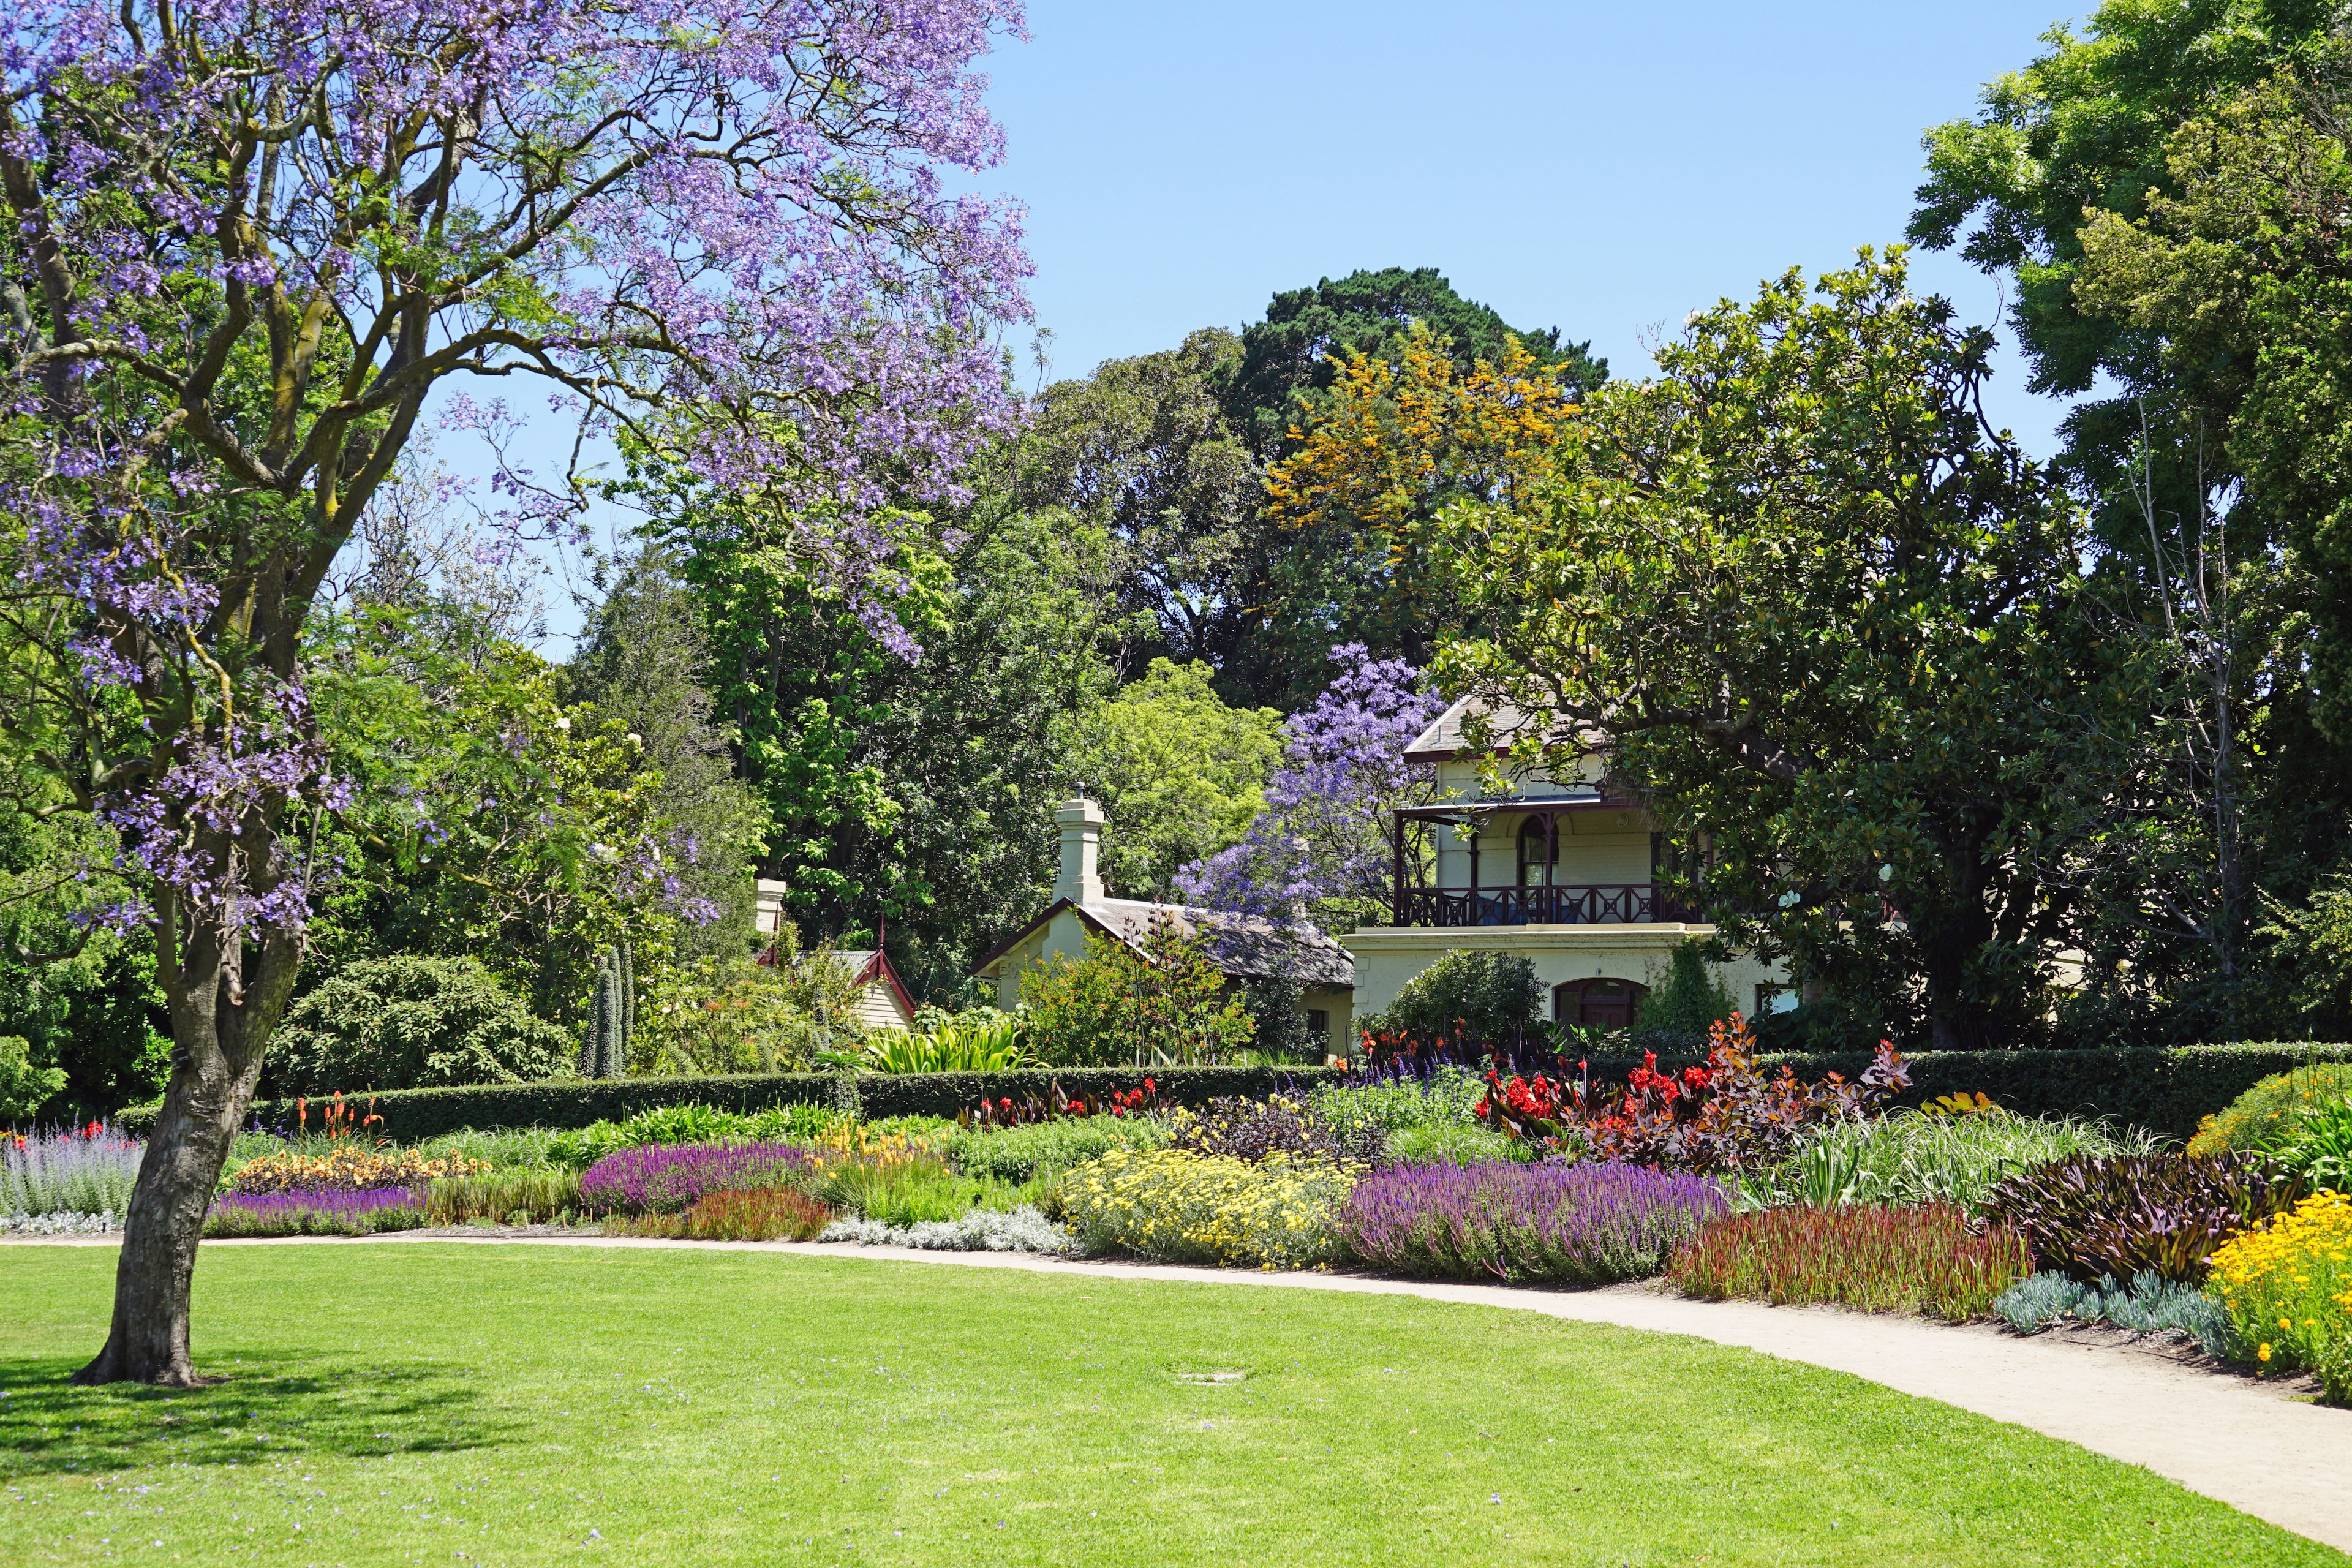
<point x="418" y="1402"/>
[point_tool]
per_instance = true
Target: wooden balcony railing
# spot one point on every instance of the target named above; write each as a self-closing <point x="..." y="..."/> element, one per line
<point x="1632" y="903"/>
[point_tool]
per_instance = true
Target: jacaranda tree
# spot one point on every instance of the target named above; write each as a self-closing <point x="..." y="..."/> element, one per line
<point x="250" y="242"/>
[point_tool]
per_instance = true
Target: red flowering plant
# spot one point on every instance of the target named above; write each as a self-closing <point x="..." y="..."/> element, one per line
<point x="1728" y="1113"/>
<point x="1057" y="1103"/>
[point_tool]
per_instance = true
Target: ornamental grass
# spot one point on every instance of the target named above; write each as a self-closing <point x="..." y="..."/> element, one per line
<point x="505" y="1197"/>
<point x="667" y="1178"/>
<point x="1180" y="1207"/>
<point x="1926" y="1259"/>
<point x="1577" y="1225"/>
<point x="325" y="1211"/>
<point x="351" y="1168"/>
<point x="2288" y="1286"/>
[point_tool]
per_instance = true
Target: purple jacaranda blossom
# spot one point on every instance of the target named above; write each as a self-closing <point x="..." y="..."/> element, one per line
<point x="1579" y="1224"/>
<point x="1324" y="833"/>
<point x="666" y="1178"/>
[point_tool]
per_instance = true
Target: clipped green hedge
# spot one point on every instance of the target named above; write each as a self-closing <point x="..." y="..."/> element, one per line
<point x="411" y="1114"/>
<point x="2165" y="1090"/>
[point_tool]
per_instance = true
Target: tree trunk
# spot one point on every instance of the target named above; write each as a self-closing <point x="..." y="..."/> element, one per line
<point x="226" y="994"/>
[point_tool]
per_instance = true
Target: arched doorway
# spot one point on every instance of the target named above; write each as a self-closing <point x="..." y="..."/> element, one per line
<point x="1598" y="1004"/>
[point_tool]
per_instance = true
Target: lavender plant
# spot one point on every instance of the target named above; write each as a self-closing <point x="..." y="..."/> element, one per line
<point x="1577" y="1225"/>
<point x="667" y="1178"/>
<point x="322" y="1213"/>
<point x="248" y="242"/>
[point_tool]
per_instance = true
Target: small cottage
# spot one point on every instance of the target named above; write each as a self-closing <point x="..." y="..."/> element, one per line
<point x="883" y="1000"/>
<point x="1244" y="947"/>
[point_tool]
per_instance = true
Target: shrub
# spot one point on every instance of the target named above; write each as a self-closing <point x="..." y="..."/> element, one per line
<point x="1166" y="1004"/>
<point x="2287" y="1287"/>
<point x="1577" y="1225"/>
<point x="85" y="1171"/>
<point x="1471" y="998"/>
<point x="1910" y="1158"/>
<point x="505" y="1197"/>
<point x="766" y="1215"/>
<point x="1257" y="1130"/>
<point x="1022" y="1229"/>
<point x="1922" y="1259"/>
<point x="326" y="1211"/>
<point x="2086" y="1215"/>
<point x="691" y="1124"/>
<point x="345" y="1167"/>
<point x="1018" y="1154"/>
<point x="669" y="1178"/>
<point x="1682" y="1007"/>
<point x="2244" y="1124"/>
<point x="2150" y="1304"/>
<point x="411" y="1022"/>
<point x="1180" y="1207"/>
<point x="25" y="1087"/>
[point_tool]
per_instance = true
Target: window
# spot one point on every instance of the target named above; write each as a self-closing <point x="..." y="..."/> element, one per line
<point x="1597" y="1004"/>
<point x="1771" y="999"/>
<point x="1318" y="1023"/>
<point x="1535" y="854"/>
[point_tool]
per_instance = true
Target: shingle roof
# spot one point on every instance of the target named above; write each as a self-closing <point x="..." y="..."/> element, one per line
<point x="1244" y="946"/>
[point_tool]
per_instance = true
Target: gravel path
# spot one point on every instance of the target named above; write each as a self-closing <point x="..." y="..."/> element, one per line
<point x="2257" y="1447"/>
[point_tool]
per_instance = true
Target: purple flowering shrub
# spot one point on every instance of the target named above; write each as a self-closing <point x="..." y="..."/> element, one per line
<point x="1323" y="836"/>
<point x="667" y="1178"/>
<point x="318" y="1212"/>
<point x="1574" y="1225"/>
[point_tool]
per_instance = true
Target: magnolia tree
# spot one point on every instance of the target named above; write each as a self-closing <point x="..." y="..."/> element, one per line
<point x="247" y="245"/>
<point x="1322" y="842"/>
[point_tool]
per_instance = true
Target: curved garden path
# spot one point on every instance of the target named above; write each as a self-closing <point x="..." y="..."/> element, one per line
<point x="2256" y="1447"/>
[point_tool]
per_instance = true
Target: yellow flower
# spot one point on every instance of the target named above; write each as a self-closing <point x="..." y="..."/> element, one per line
<point x="2265" y="1353"/>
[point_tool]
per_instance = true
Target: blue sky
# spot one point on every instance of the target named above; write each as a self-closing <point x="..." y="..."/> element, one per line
<point x="1601" y="167"/>
<point x="1604" y="168"/>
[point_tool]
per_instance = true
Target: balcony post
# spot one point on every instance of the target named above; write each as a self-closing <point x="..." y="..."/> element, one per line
<point x="1398" y="884"/>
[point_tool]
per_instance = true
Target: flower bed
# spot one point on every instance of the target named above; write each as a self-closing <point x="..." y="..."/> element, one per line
<point x="88" y="1170"/>
<point x="767" y="1215"/>
<point x="1567" y="1224"/>
<point x="351" y="1168"/>
<point x="326" y="1211"/>
<point x="666" y="1178"/>
<point x="1181" y="1206"/>
<point x="1923" y="1260"/>
<point x="2287" y="1287"/>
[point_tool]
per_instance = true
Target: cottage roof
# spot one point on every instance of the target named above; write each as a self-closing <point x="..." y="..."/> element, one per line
<point x="1245" y="947"/>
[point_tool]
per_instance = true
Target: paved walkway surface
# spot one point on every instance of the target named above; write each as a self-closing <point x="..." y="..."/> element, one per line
<point x="2252" y="1446"/>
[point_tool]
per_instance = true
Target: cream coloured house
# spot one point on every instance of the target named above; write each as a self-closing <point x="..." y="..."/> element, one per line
<point x="1245" y="949"/>
<point x="1561" y="873"/>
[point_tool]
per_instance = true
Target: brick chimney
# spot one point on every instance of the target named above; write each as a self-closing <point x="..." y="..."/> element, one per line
<point x="1081" y="821"/>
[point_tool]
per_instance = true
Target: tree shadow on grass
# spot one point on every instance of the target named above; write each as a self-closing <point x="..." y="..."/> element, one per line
<point x="268" y="1407"/>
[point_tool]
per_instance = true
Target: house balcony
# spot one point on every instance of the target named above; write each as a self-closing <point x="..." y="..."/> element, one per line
<point x="1625" y="903"/>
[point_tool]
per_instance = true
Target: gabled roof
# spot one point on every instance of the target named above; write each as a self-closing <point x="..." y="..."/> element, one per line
<point x="1445" y="738"/>
<point x="1244" y="947"/>
<point x="866" y="966"/>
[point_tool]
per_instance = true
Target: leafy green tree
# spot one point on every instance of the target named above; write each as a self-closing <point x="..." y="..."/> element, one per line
<point x="644" y="664"/>
<point x="25" y="1086"/>
<point x="1803" y="594"/>
<point x="412" y="1022"/>
<point x="1179" y="773"/>
<point x="913" y="795"/>
<point x="2085" y="126"/>
<point x="1167" y="1004"/>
